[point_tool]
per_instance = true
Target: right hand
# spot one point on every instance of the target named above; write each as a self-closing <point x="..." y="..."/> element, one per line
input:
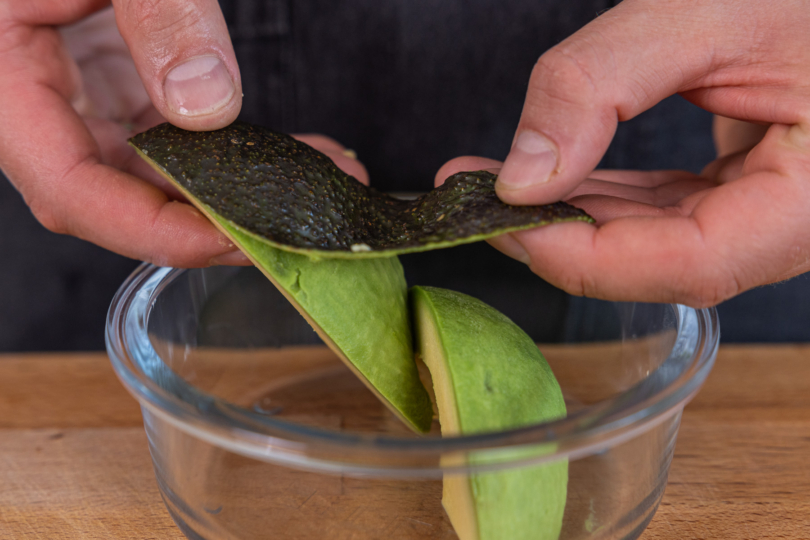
<point x="668" y="236"/>
<point x="72" y="97"/>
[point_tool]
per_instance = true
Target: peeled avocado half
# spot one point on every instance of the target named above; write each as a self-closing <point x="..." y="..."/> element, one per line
<point x="488" y="375"/>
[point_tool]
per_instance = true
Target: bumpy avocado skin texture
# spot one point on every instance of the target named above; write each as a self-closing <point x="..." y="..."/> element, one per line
<point x="294" y="197"/>
<point x="361" y="307"/>
<point x="492" y="377"/>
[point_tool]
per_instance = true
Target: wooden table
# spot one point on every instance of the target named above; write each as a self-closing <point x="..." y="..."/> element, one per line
<point x="74" y="461"/>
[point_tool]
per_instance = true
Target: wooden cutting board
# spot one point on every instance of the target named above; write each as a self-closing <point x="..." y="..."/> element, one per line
<point x="74" y="462"/>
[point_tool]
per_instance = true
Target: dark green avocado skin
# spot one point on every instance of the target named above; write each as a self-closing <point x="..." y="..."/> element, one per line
<point x="290" y="194"/>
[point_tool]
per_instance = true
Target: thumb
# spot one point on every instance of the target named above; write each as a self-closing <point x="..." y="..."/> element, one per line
<point x="612" y="69"/>
<point x="184" y="56"/>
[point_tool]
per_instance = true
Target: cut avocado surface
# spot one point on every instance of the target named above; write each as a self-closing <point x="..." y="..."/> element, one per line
<point x="287" y="194"/>
<point x="488" y="375"/>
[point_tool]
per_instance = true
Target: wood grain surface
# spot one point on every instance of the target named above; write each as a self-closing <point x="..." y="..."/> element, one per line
<point x="74" y="462"/>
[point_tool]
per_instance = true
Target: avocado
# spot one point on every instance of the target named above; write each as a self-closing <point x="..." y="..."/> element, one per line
<point x="488" y="375"/>
<point x="287" y="194"/>
<point x="357" y="306"/>
<point x="289" y="208"/>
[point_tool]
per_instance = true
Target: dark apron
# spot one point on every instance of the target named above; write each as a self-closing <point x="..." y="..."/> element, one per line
<point x="407" y="84"/>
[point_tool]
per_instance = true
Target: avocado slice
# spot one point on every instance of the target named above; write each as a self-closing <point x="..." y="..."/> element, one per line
<point x="286" y="193"/>
<point x="488" y="375"/>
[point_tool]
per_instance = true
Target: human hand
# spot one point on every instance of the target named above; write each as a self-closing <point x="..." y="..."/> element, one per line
<point x="72" y="97"/>
<point x="667" y="236"/>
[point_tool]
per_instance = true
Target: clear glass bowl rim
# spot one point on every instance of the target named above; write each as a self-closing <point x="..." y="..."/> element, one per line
<point x="586" y="432"/>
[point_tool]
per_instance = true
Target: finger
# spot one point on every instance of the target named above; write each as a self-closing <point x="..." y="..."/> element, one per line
<point x="508" y="245"/>
<point x="184" y="56"/>
<point x="629" y="259"/>
<point x="101" y="204"/>
<point x="614" y="68"/>
<point x="56" y="165"/>
<point x="725" y="169"/>
<point x="648" y="179"/>
<point x="320" y="142"/>
<point x="740" y="235"/>
<point x="604" y="209"/>
<point x="110" y="85"/>
<point x="51" y="12"/>
<point x="345" y="159"/>
<point x="732" y="136"/>
<point x="115" y="152"/>
<point x="133" y="218"/>
<point x="681" y="184"/>
<point x="349" y="165"/>
<point x="463" y="164"/>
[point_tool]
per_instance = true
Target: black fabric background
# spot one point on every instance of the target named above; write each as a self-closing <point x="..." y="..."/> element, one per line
<point x="408" y="84"/>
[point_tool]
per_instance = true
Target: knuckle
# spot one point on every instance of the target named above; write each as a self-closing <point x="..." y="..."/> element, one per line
<point x="47" y="216"/>
<point x="160" y="19"/>
<point x="710" y="292"/>
<point x="589" y="287"/>
<point x="576" y="283"/>
<point x="564" y="75"/>
<point x="163" y="260"/>
<point x="138" y="12"/>
<point x="163" y="245"/>
<point x="48" y="201"/>
<point x="702" y="299"/>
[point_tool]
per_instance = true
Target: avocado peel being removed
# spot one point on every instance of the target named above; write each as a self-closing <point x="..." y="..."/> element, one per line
<point x="286" y="193"/>
<point x="488" y="375"/>
<point x="358" y="307"/>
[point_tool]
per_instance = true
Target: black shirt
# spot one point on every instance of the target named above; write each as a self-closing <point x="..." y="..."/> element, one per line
<point x="407" y="84"/>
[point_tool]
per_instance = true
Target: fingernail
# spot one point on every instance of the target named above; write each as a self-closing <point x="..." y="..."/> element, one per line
<point x="198" y="86"/>
<point x="232" y="258"/>
<point x="531" y="161"/>
<point x="349" y="153"/>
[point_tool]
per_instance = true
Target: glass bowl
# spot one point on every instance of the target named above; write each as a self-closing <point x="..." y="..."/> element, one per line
<point x="256" y="430"/>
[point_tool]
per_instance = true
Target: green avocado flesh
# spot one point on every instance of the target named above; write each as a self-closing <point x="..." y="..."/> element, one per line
<point x="293" y="197"/>
<point x="359" y="308"/>
<point x="488" y="375"/>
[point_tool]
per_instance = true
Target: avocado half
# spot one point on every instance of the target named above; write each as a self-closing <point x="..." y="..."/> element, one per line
<point x="488" y="375"/>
